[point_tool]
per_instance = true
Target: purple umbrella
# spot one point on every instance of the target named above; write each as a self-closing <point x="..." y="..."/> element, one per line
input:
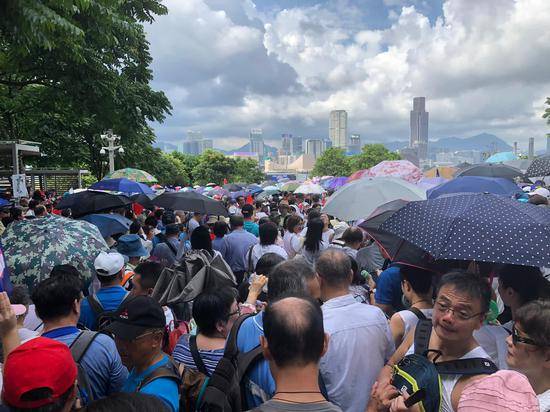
<point x="334" y="183"/>
<point x="427" y="183"/>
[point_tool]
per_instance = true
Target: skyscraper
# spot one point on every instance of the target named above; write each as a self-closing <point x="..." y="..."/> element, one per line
<point x="548" y="144"/>
<point x="531" y="152"/>
<point x="286" y="145"/>
<point x="419" y="127"/>
<point x="297" y="147"/>
<point x="354" y="144"/>
<point x="257" y="143"/>
<point x="338" y="128"/>
<point x="314" y="147"/>
<point x="195" y="144"/>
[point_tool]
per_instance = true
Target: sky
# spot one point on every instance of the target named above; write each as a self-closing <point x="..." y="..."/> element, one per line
<point x="231" y="65"/>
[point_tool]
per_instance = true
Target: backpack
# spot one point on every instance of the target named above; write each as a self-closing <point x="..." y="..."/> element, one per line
<point x="171" y="370"/>
<point x="225" y="390"/>
<point x="78" y="348"/>
<point x="421" y="377"/>
<point x="418" y="313"/>
<point x="103" y="317"/>
<point x="172" y="336"/>
<point x="194" y="380"/>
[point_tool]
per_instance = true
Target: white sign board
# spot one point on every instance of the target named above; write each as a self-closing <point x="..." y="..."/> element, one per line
<point x="19" y="186"/>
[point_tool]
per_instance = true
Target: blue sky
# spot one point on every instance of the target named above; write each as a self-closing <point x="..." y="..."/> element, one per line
<point x="232" y="65"/>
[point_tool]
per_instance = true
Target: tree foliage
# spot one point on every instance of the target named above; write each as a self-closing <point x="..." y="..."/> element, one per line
<point x="371" y="155"/>
<point x="333" y="162"/>
<point x="546" y="114"/>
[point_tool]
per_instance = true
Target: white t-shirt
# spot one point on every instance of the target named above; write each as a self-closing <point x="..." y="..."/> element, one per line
<point x="292" y="243"/>
<point x="544" y="401"/>
<point x="410" y="319"/>
<point x="260" y="215"/>
<point x="492" y="338"/>
<point x="326" y="235"/>
<point x="234" y="210"/>
<point x="32" y="321"/>
<point x="258" y="251"/>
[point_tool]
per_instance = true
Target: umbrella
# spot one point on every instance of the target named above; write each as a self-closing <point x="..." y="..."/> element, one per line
<point x="357" y="175"/>
<point x="190" y="202"/>
<point x="501" y="157"/>
<point x="334" y="183"/>
<point x="122" y="185"/>
<point x="144" y="200"/>
<point x="427" y="183"/>
<point x="290" y="186"/>
<point x="361" y="197"/>
<point x="232" y="187"/>
<point x="521" y="164"/>
<point x="309" y="189"/>
<point x="539" y="168"/>
<point x="132" y="174"/>
<point x="33" y="247"/>
<point x="396" y="168"/>
<point x="109" y="223"/>
<point x="447" y="172"/>
<point x="253" y="189"/>
<point x="491" y="170"/>
<point x="4" y="202"/>
<point x="475" y="184"/>
<point x="89" y="201"/>
<point x="476" y="226"/>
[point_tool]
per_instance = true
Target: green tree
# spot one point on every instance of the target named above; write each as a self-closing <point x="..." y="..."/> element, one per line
<point x="371" y="155"/>
<point x="247" y="171"/>
<point x="188" y="163"/>
<point x="213" y="167"/>
<point x="333" y="162"/>
<point x="546" y="114"/>
<point x="70" y="70"/>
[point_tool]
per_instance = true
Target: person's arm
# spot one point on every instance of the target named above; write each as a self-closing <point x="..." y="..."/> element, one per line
<point x="397" y="327"/>
<point x="8" y="326"/>
<point x="253" y="292"/>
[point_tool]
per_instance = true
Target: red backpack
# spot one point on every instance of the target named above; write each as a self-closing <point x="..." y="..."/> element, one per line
<point x="172" y="336"/>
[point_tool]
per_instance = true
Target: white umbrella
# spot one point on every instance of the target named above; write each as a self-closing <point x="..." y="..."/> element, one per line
<point x="309" y="189"/>
<point x="359" y="198"/>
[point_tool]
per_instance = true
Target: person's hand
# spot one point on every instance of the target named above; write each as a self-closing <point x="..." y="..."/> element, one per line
<point x="398" y="404"/>
<point x="257" y="285"/>
<point x="381" y="398"/>
<point x="8" y="321"/>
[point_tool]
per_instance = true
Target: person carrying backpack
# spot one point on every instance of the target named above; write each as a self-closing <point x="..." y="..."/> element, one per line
<point x="96" y="307"/>
<point x="166" y="251"/>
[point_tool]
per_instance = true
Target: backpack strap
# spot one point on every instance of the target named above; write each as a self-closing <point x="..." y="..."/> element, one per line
<point x="170" y="371"/>
<point x="196" y="355"/>
<point x="422" y="335"/>
<point x="472" y="366"/>
<point x="171" y="247"/>
<point x="245" y="360"/>
<point x="418" y="313"/>
<point x="249" y="266"/>
<point x="231" y="349"/>
<point x="95" y="305"/>
<point x="78" y="349"/>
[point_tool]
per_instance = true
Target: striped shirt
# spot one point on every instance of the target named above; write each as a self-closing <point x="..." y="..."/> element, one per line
<point x="182" y="354"/>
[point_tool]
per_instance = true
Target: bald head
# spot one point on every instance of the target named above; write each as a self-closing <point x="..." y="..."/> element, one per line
<point x="293" y="328"/>
<point x="334" y="267"/>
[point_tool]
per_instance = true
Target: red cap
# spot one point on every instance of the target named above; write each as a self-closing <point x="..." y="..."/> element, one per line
<point x="38" y="363"/>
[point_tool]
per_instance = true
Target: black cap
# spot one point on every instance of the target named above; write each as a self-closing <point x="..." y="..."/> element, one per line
<point x="135" y="316"/>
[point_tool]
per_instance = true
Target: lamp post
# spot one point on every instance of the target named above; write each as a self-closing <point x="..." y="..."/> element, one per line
<point x="111" y="141"/>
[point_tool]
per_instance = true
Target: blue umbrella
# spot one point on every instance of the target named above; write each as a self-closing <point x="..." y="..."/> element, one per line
<point x="4" y="202"/>
<point x="475" y="184"/>
<point x="109" y="223"/>
<point x="122" y="185"/>
<point x="502" y="157"/>
<point x="476" y="226"/>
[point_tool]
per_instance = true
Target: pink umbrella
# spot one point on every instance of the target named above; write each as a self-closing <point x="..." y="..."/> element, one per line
<point x="357" y="175"/>
<point x="397" y="168"/>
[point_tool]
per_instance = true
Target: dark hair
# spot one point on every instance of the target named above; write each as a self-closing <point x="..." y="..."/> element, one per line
<point x="211" y="307"/>
<point x="149" y="272"/>
<point x="474" y="286"/>
<point x="44" y="393"/>
<point x="293" y="328"/>
<point x="236" y="221"/>
<point x="200" y="239"/>
<point x="220" y="228"/>
<point x="268" y="233"/>
<point x="313" y="214"/>
<point x="128" y="401"/>
<point x="158" y="213"/>
<point x="314" y="234"/>
<point x="40" y="210"/>
<point x="33" y="203"/>
<point x="54" y="297"/>
<point x="20" y="295"/>
<point x="292" y="222"/>
<point x="134" y="227"/>
<point x="258" y="204"/>
<point x="334" y="266"/>
<point x="239" y="197"/>
<point x="129" y="214"/>
<point x="264" y="220"/>
<point x="267" y="263"/>
<point x="168" y="218"/>
<point x="151" y="221"/>
<point x="534" y="318"/>
<point x="419" y="279"/>
<point x="172" y="229"/>
<point x="538" y="200"/>
<point x="527" y="281"/>
<point x="352" y="235"/>
<point x="66" y="212"/>
<point x="66" y="269"/>
<point x="247" y="210"/>
<point x="286" y="280"/>
<point x="147" y="229"/>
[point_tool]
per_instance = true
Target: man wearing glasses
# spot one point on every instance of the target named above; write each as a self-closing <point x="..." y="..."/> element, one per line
<point x="460" y="307"/>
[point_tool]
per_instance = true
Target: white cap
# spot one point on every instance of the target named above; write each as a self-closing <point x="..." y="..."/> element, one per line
<point x="339" y="229"/>
<point x="108" y="264"/>
<point x="540" y="191"/>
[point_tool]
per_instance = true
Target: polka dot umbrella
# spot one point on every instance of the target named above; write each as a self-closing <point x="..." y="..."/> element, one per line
<point x="476" y="226"/>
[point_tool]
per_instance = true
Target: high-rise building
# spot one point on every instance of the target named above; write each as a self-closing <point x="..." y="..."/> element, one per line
<point x="338" y="128"/>
<point x="286" y="145"/>
<point x="531" y="153"/>
<point x="548" y="144"/>
<point x="354" y="144"/>
<point x="195" y="143"/>
<point x="419" y="127"/>
<point x="314" y="147"/>
<point x="327" y="144"/>
<point x="257" y="143"/>
<point x="297" y="146"/>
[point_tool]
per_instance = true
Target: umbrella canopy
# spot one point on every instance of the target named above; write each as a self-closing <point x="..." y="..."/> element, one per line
<point x="501" y="157"/>
<point x="232" y="187"/>
<point x="109" y="223"/>
<point x="476" y="226"/>
<point x="357" y="175"/>
<point x="144" y="200"/>
<point x="253" y="189"/>
<point x="89" y="201"/>
<point x="361" y="197"/>
<point x="4" y="202"/>
<point x="122" y="185"/>
<point x="129" y="173"/>
<point x="309" y="189"/>
<point x="491" y="170"/>
<point x="334" y="183"/>
<point x="475" y="184"/>
<point x="447" y="172"/>
<point x="539" y="168"/>
<point x="290" y="186"/>
<point x="190" y="202"/>
<point x="33" y="247"/>
<point x="402" y="169"/>
<point x="427" y="183"/>
<point x="521" y="164"/>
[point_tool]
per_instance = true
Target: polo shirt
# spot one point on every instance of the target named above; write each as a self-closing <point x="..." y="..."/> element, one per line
<point x="388" y="288"/>
<point x="110" y="298"/>
<point x="238" y="242"/>
<point x="252" y="227"/>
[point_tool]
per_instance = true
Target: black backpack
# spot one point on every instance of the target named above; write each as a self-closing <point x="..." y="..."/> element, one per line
<point x="78" y="348"/>
<point x="103" y="317"/>
<point x="225" y="389"/>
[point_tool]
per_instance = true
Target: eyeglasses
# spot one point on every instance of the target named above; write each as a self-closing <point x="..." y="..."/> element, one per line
<point x="459" y="314"/>
<point x="516" y="338"/>
<point x="237" y="312"/>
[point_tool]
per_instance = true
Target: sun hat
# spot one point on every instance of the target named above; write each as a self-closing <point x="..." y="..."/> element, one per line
<point x="108" y="263"/>
<point x="540" y="191"/>
<point x="131" y="246"/>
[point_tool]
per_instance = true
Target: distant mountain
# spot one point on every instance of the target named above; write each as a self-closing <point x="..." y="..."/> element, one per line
<point x="483" y="142"/>
<point x="269" y="150"/>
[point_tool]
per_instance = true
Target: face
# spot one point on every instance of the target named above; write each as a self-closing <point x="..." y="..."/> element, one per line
<point x="456" y="315"/>
<point x="225" y="327"/>
<point x="507" y="294"/>
<point x="133" y="353"/>
<point x="240" y="202"/>
<point x="299" y="227"/>
<point x="525" y="357"/>
<point x="325" y="220"/>
<point x="137" y="288"/>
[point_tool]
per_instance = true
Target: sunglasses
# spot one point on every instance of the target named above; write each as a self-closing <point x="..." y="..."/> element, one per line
<point x="516" y="338"/>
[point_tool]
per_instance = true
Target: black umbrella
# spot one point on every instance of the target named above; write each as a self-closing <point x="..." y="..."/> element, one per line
<point x="144" y="200"/>
<point x="539" y="168"/>
<point x="89" y="201"/>
<point x="476" y="226"/>
<point x="190" y="202"/>
<point x="232" y="187"/>
<point x="491" y="170"/>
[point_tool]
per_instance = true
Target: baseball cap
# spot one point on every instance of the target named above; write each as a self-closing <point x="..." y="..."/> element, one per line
<point x="540" y="191"/>
<point x="108" y="264"/>
<point x="56" y="372"/>
<point x="135" y="316"/>
<point x="247" y="210"/>
<point x="502" y="391"/>
<point x="339" y="229"/>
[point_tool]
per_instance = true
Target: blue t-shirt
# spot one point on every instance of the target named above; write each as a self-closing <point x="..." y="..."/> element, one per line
<point x="165" y="389"/>
<point x="388" y="288"/>
<point x="101" y="361"/>
<point x="252" y="227"/>
<point x="110" y="298"/>
<point x="259" y="383"/>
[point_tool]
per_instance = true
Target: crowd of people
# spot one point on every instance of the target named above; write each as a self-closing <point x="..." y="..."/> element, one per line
<point x="317" y="319"/>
